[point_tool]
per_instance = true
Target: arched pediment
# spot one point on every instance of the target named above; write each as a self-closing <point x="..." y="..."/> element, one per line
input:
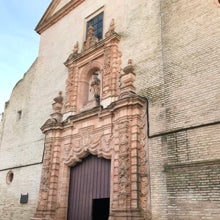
<point x="99" y="145"/>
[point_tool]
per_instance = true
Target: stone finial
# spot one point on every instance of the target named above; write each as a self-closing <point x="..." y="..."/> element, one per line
<point x="91" y="39"/>
<point x="58" y="103"/>
<point x="112" y="25"/>
<point x="76" y="48"/>
<point x="129" y="68"/>
<point x="56" y="117"/>
<point x="127" y="79"/>
<point x="111" y="29"/>
<point x="130" y="61"/>
<point x="59" y="99"/>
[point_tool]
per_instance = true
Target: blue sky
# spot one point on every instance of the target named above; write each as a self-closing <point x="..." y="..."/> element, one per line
<point x="18" y="41"/>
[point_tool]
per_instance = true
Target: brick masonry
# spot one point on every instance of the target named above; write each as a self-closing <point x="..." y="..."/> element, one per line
<point x="176" y="59"/>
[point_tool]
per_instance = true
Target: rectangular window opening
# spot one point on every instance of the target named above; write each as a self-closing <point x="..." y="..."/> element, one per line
<point x="97" y="23"/>
<point x="19" y="113"/>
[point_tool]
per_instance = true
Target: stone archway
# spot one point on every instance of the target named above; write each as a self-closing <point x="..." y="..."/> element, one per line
<point x="118" y="133"/>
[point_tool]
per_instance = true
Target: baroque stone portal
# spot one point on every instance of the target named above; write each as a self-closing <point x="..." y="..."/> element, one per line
<point x="111" y="124"/>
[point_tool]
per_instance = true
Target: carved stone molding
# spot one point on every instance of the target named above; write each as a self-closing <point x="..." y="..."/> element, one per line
<point x="118" y="133"/>
<point x="96" y="145"/>
<point x="108" y="56"/>
<point x="127" y="79"/>
<point x="114" y="128"/>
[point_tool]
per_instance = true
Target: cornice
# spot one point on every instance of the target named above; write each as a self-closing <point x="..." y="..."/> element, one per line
<point x="47" y="20"/>
<point x="94" y="49"/>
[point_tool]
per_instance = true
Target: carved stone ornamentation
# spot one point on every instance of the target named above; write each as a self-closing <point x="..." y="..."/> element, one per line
<point x="115" y="128"/>
<point x="90" y="142"/>
<point x="103" y="56"/>
<point x="56" y="117"/>
<point x="111" y="29"/>
<point x="76" y="48"/>
<point x="71" y="90"/>
<point x="112" y="67"/>
<point x="46" y="172"/>
<point x="143" y="167"/>
<point x="58" y="103"/>
<point x="91" y="40"/>
<point x="127" y="79"/>
<point x="95" y="86"/>
<point x="124" y="164"/>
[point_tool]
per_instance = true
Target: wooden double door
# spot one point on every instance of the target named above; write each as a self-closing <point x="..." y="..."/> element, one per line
<point x="89" y="191"/>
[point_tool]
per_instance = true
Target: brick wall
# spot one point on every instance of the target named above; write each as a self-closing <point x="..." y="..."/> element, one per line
<point x="177" y="69"/>
<point x="184" y="159"/>
<point x="194" y="191"/>
<point x="190" y="40"/>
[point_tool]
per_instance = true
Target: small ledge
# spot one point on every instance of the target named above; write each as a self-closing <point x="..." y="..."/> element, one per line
<point x="76" y="56"/>
<point x="171" y="166"/>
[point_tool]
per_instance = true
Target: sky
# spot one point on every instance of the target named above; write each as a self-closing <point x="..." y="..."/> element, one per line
<point x="19" y="42"/>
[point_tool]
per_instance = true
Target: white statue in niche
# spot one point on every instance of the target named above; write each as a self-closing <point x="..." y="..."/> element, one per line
<point x="95" y="87"/>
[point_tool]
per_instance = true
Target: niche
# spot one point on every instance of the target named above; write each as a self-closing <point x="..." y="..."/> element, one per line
<point x="92" y="90"/>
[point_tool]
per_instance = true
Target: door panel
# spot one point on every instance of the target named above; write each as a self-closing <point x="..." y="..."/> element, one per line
<point x="89" y="180"/>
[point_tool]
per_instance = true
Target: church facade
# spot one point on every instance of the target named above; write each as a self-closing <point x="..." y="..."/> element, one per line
<point x="118" y="117"/>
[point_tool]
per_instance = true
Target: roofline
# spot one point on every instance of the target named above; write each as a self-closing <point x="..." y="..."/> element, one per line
<point x="47" y="21"/>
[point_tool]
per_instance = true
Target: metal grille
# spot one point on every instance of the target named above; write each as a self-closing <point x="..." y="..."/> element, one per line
<point x="97" y="23"/>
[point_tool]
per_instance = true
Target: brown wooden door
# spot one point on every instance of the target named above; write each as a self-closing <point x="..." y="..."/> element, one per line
<point x="89" y="182"/>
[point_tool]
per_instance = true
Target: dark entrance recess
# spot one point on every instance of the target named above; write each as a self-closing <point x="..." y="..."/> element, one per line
<point x="89" y="190"/>
<point x="100" y="209"/>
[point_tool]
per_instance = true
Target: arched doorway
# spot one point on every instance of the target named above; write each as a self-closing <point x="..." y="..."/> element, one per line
<point x="89" y="190"/>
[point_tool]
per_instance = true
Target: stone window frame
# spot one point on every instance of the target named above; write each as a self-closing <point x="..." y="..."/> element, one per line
<point x="92" y="16"/>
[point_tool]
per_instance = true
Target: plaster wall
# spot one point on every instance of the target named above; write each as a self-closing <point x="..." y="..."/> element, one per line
<point x="26" y="180"/>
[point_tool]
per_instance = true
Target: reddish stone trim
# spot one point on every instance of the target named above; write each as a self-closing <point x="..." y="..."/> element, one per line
<point x="117" y="131"/>
<point x="103" y="56"/>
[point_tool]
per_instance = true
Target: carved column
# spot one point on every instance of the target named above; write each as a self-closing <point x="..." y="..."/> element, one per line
<point x="130" y="199"/>
<point x="48" y="187"/>
<point x="111" y="70"/>
<point x="47" y="201"/>
<point x="71" y="89"/>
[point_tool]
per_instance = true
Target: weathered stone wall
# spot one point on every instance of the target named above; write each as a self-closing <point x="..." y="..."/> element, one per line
<point x="190" y="39"/>
<point x="190" y="46"/>
<point x="175" y="48"/>
<point x="22" y="141"/>
<point x="26" y="180"/>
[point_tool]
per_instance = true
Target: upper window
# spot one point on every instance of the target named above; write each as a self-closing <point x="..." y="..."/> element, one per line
<point x="97" y="23"/>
